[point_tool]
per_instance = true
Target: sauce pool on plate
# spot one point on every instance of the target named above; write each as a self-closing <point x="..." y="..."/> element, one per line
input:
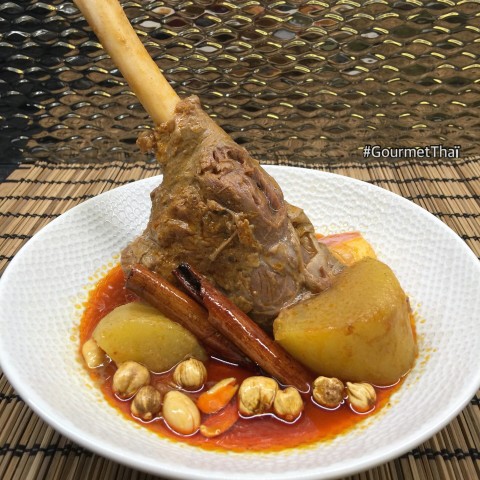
<point x="259" y="433"/>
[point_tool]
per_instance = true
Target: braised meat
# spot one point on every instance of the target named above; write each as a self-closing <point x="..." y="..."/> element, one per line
<point x="218" y="210"/>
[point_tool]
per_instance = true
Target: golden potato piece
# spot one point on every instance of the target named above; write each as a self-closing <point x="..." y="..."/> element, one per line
<point x="358" y="330"/>
<point x="139" y="332"/>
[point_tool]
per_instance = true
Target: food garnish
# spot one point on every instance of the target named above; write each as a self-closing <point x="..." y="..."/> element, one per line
<point x="218" y="396"/>
<point x="328" y="391"/>
<point x="288" y="404"/>
<point x="147" y="403"/>
<point x="190" y="374"/>
<point x="362" y="396"/>
<point x="129" y="378"/>
<point x="180" y="413"/>
<point x="256" y="395"/>
<point x="93" y="355"/>
<point x="218" y="424"/>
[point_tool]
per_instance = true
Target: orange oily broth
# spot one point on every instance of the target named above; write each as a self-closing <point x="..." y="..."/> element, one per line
<point x="261" y="433"/>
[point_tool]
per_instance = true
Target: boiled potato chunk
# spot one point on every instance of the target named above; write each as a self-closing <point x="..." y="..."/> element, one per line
<point x="139" y="332"/>
<point x="358" y="330"/>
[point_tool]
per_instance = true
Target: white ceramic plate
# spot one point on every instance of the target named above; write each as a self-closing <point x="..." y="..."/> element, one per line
<point x="43" y="287"/>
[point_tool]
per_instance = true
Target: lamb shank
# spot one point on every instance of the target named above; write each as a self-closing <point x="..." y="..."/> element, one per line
<point x="220" y="211"/>
<point x="216" y="208"/>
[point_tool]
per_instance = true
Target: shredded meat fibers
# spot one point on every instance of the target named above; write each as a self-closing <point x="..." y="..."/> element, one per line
<point x="218" y="210"/>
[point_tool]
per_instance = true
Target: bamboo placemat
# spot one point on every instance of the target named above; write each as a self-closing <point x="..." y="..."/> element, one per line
<point x="33" y="195"/>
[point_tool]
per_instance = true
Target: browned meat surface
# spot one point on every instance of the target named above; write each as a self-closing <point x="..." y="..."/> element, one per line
<point x="219" y="211"/>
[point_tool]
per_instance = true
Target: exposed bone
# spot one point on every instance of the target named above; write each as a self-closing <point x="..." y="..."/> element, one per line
<point x="113" y="29"/>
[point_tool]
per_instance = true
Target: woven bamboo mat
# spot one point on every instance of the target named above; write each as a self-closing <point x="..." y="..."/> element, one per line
<point x="35" y="194"/>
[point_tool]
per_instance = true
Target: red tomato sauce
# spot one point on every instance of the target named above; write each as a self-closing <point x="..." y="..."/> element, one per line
<point x="261" y="433"/>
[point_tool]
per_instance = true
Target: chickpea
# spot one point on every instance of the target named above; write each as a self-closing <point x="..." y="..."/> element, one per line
<point x="94" y="356"/>
<point x="362" y="396"/>
<point x="288" y="404"/>
<point x="147" y="403"/>
<point x="129" y="378"/>
<point x="180" y="413"/>
<point x="328" y="392"/>
<point x="190" y="374"/>
<point x="256" y="395"/>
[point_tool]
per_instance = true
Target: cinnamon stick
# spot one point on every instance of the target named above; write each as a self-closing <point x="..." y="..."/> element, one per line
<point x="234" y="324"/>
<point x="179" y="307"/>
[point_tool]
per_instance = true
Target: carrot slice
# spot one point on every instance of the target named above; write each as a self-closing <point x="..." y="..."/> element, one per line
<point x="219" y="423"/>
<point x="218" y="396"/>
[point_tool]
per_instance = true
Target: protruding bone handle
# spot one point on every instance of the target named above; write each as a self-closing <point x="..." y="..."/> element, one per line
<point x="112" y="27"/>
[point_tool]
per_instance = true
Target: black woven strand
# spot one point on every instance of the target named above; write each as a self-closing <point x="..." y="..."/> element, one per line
<point x="444" y="453"/>
<point x="7" y="398"/>
<point x="20" y="450"/>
